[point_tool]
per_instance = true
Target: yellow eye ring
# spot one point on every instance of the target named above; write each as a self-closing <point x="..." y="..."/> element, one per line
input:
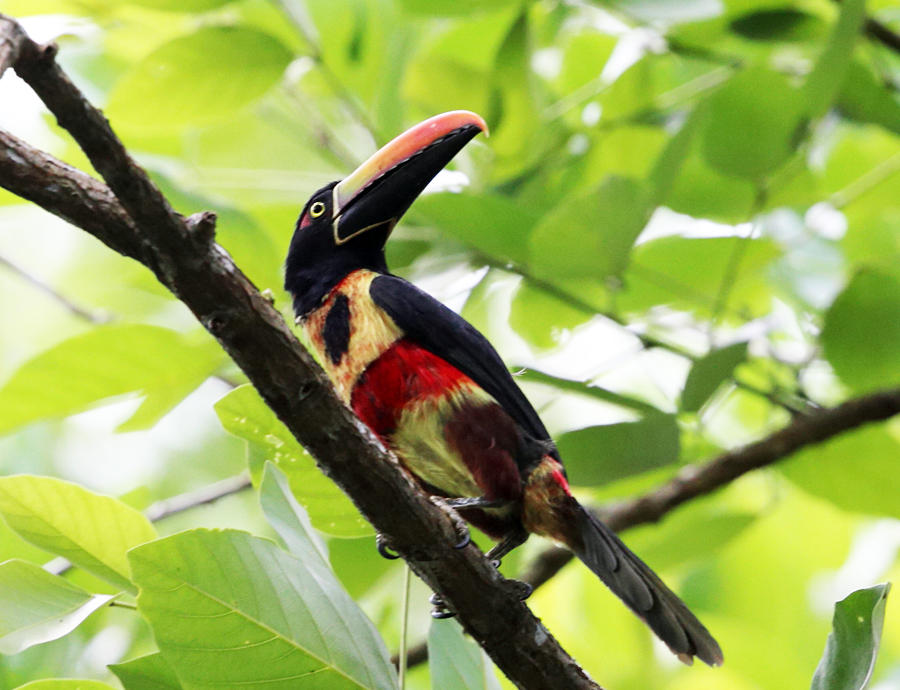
<point x="317" y="209"/>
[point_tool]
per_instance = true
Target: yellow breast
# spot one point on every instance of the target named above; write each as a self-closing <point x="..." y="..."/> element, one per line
<point x="371" y="331"/>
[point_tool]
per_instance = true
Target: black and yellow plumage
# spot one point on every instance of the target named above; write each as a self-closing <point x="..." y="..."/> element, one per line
<point x="435" y="391"/>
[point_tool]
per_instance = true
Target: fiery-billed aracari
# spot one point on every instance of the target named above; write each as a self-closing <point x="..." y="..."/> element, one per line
<point x="435" y="391"/>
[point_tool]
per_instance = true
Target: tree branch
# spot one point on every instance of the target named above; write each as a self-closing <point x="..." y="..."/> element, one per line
<point x="204" y="277"/>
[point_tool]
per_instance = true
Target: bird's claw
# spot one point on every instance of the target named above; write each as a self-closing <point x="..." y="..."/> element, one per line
<point x="384" y="548"/>
<point x="440" y="610"/>
<point x="521" y="589"/>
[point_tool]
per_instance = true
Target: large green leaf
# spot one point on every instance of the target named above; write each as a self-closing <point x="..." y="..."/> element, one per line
<point x="688" y="273"/>
<point x="37" y="606"/>
<point x="865" y="98"/>
<point x="856" y="471"/>
<point x="492" y="224"/>
<point x="180" y="5"/>
<point x="244" y="414"/>
<point x="827" y="76"/>
<point x="747" y="135"/>
<point x="290" y="520"/>
<point x="597" y="455"/>
<point x="150" y="672"/>
<point x="200" y="78"/>
<point x="90" y="530"/>
<point x="862" y="331"/>
<point x="777" y="24"/>
<point x="106" y="362"/>
<point x="456" y="662"/>
<point x="541" y="318"/>
<point x="228" y="608"/>
<point x="708" y="372"/>
<point x="591" y="235"/>
<point x="852" y="646"/>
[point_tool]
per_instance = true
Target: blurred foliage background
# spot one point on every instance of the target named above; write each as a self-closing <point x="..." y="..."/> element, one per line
<point x="683" y="229"/>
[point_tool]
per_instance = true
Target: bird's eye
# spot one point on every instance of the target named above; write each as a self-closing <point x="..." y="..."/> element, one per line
<point x="317" y="209"/>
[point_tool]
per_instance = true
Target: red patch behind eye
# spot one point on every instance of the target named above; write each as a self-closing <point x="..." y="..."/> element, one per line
<point x="306" y="220"/>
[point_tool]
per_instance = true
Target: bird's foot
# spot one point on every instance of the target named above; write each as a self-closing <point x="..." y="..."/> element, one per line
<point x="520" y="589"/>
<point x="440" y="610"/>
<point x="384" y="548"/>
<point x="462" y="530"/>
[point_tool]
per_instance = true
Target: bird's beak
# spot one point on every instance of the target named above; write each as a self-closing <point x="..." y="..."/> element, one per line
<point x="379" y="191"/>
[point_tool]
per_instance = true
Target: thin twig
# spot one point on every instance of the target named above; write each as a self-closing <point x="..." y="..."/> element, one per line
<point x="80" y="312"/>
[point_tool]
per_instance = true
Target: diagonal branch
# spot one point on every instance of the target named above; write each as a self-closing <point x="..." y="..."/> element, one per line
<point x="186" y="260"/>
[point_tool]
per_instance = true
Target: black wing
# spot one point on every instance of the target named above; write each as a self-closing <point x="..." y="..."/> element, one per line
<point x="445" y="333"/>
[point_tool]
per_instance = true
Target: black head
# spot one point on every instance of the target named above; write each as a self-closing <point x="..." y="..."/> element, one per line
<point x="345" y="225"/>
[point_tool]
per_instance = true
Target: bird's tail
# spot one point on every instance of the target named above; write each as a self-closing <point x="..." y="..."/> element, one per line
<point x="642" y="590"/>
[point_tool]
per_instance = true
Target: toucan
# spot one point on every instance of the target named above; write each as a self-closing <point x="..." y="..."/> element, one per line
<point x="434" y="390"/>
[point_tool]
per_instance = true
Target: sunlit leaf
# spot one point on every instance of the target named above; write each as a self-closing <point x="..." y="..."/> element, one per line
<point x="708" y="373"/>
<point x="452" y="7"/>
<point x="36" y="606"/>
<point x="244" y="414"/>
<point x="856" y="471"/>
<point x="597" y="455"/>
<point x="863" y="97"/>
<point x="592" y="235"/>
<point x="150" y="672"/>
<point x="827" y="76"/>
<point x="456" y="662"/>
<point x="776" y="123"/>
<point x="199" y="78"/>
<point x="495" y="225"/>
<point x="90" y="530"/>
<point x="288" y="519"/>
<point x="542" y="318"/>
<point x="228" y="608"/>
<point x="106" y="362"/>
<point x="852" y="646"/>
<point x="688" y="273"/>
<point x="862" y="330"/>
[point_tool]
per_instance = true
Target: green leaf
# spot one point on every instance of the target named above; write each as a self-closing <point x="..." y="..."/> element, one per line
<point x="862" y="330"/>
<point x="106" y="362"/>
<point x="830" y="70"/>
<point x="201" y="78"/>
<point x="865" y="98"/>
<point x="668" y="165"/>
<point x="65" y="684"/>
<point x="289" y="519"/>
<point x="708" y="372"/>
<point x="243" y="413"/>
<point x="746" y="135"/>
<point x="693" y="533"/>
<point x="852" y="646"/>
<point x="591" y="235"/>
<point x="598" y="455"/>
<point x="228" y="608"/>
<point x="150" y="672"/>
<point x="856" y="471"/>
<point x="778" y="24"/>
<point x="90" y="530"/>
<point x="495" y="225"/>
<point x="541" y="318"/>
<point x="687" y="274"/>
<point x="456" y="662"/>
<point x="36" y="606"/>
